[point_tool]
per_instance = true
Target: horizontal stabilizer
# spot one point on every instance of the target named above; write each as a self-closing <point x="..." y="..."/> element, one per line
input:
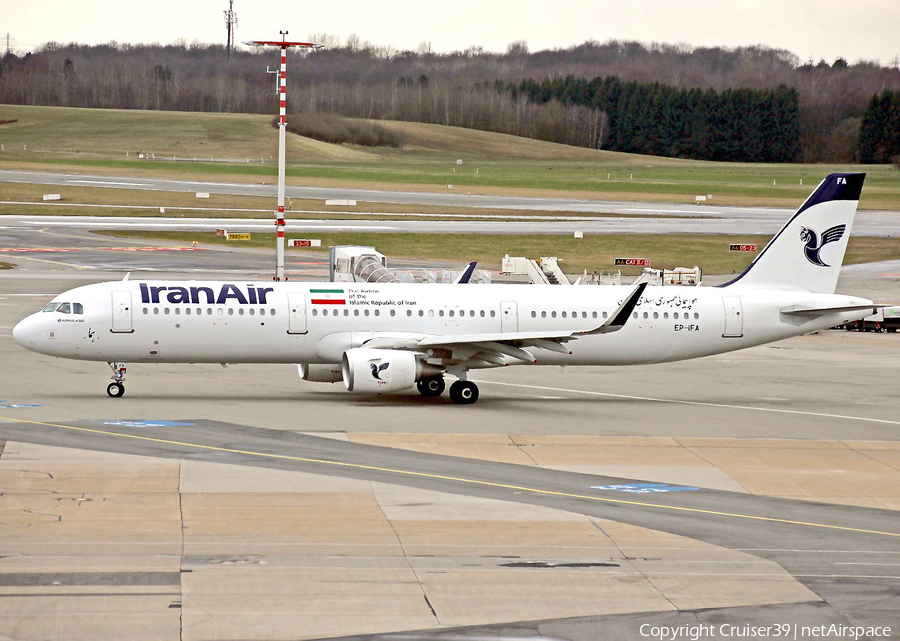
<point x="821" y="311"/>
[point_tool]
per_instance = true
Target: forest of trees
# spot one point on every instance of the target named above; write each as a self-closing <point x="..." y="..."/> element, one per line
<point x="749" y="103"/>
<point x="749" y="125"/>
<point x="879" y="134"/>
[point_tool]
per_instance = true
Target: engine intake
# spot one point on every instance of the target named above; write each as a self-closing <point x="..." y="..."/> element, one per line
<point x="382" y="370"/>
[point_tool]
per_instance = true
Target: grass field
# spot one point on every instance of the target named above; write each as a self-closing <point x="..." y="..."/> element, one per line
<point x="595" y="252"/>
<point x="108" y="141"/>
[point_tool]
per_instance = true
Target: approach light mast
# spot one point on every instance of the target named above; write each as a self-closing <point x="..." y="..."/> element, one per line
<point x="282" y="128"/>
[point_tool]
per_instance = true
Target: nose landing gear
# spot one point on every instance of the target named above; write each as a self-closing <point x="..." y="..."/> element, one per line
<point x="117" y="387"/>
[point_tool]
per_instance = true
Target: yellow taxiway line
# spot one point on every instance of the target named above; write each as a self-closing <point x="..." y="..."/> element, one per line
<point x="520" y="488"/>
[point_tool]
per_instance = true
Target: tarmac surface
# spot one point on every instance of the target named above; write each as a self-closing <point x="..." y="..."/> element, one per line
<point x="635" y="217"/>
<point x="759" y="488"/>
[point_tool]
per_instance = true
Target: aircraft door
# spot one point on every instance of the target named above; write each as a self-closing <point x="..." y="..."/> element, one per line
<point x="297" y="313"/>
<point x="121" y="312"/>
<point x="734" y="318"/>
<point x="509" y="317"/>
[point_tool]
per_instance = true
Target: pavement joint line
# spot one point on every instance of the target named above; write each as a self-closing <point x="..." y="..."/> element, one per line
<point x="698" y="403"/>
<point x="359" y="466"/>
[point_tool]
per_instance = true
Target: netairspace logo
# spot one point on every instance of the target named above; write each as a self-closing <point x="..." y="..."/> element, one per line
<point x="782" y="631"/>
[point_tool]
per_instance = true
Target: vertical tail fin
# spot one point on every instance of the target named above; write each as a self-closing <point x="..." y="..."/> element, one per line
<point x="808" y="251"/>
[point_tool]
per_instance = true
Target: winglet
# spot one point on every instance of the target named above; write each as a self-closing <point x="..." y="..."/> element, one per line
<point x="618" y="318"/>
<point x="466" y="275"/>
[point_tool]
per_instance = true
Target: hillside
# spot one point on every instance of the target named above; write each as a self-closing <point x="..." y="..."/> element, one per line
<point x="547" y="95"/>
<point x="108" y="141"/>
<point x="115" y="132"/>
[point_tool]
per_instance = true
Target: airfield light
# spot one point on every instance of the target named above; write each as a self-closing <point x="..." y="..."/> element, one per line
<point x="282" y="127"/>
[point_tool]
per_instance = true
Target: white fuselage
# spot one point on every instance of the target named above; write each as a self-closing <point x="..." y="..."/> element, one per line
<point x="300" y="322"/>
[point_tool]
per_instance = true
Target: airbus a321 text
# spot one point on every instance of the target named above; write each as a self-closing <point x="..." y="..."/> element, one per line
<point x="392" y="337"/>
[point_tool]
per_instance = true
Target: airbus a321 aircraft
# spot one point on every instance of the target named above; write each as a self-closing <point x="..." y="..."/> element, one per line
<point x="392" y="337"/>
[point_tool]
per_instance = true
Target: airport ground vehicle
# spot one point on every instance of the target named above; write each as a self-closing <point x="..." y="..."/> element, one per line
<point x="885" y="319"/>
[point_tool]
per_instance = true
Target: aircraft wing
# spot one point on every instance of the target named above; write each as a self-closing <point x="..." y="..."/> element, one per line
<point x="492" y="348"/>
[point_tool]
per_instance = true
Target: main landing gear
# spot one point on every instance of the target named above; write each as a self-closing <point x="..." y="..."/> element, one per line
<point x="117" y="387"/>
<point x="432" y="386"/>
<point x="461" y="392"/>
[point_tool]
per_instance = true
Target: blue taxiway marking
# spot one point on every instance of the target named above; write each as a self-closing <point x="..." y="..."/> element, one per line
<point x="147" y="423"/>
<point x="644" y="488"/>
<point x="11" y="406"/>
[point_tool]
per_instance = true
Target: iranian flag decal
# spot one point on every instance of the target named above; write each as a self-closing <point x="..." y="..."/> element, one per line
<point x="327" y="297"/>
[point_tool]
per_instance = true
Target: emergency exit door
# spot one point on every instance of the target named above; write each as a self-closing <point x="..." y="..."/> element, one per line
<point x="509" y="317"/>
<point x="734" y="317"/>
<point x="297" y="313"/>
<point x="121" y="312"/>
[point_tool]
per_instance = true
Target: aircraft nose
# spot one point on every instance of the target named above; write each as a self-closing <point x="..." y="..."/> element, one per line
<point x="25" y="332"/>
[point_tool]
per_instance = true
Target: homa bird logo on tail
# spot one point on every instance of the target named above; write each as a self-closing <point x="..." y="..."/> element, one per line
<point x="377" y="369"/>
<point x="812" y="245"/>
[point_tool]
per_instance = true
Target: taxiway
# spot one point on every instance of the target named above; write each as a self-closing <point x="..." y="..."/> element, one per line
<point x="754" y="488"/>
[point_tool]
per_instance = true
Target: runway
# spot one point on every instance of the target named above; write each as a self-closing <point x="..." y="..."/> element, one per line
<point x="758" y="488"/>
<point x="634" y="218"/>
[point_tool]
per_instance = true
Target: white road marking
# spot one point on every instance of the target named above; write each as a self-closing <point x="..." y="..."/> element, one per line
<point x="665" y="210"/>
<point x="200" y="223"/>
<point x="696" y="403"/>
<point x="109" y="182"/>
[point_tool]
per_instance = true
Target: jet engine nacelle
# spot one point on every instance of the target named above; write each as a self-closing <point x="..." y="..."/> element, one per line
<point x="318" y="373"/>
<point x="382" y="370"/>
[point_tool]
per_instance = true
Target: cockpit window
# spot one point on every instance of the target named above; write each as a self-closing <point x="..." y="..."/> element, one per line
<point x="51" y="307"/>
<point x="77" y="308"/>
<point x="65" y="308"/>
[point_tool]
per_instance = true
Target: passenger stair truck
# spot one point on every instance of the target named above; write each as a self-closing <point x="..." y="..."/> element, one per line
<point x="543" y="271"/>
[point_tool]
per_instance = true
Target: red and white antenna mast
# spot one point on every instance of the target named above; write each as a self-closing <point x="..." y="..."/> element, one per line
<point x="282" y="127"/>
